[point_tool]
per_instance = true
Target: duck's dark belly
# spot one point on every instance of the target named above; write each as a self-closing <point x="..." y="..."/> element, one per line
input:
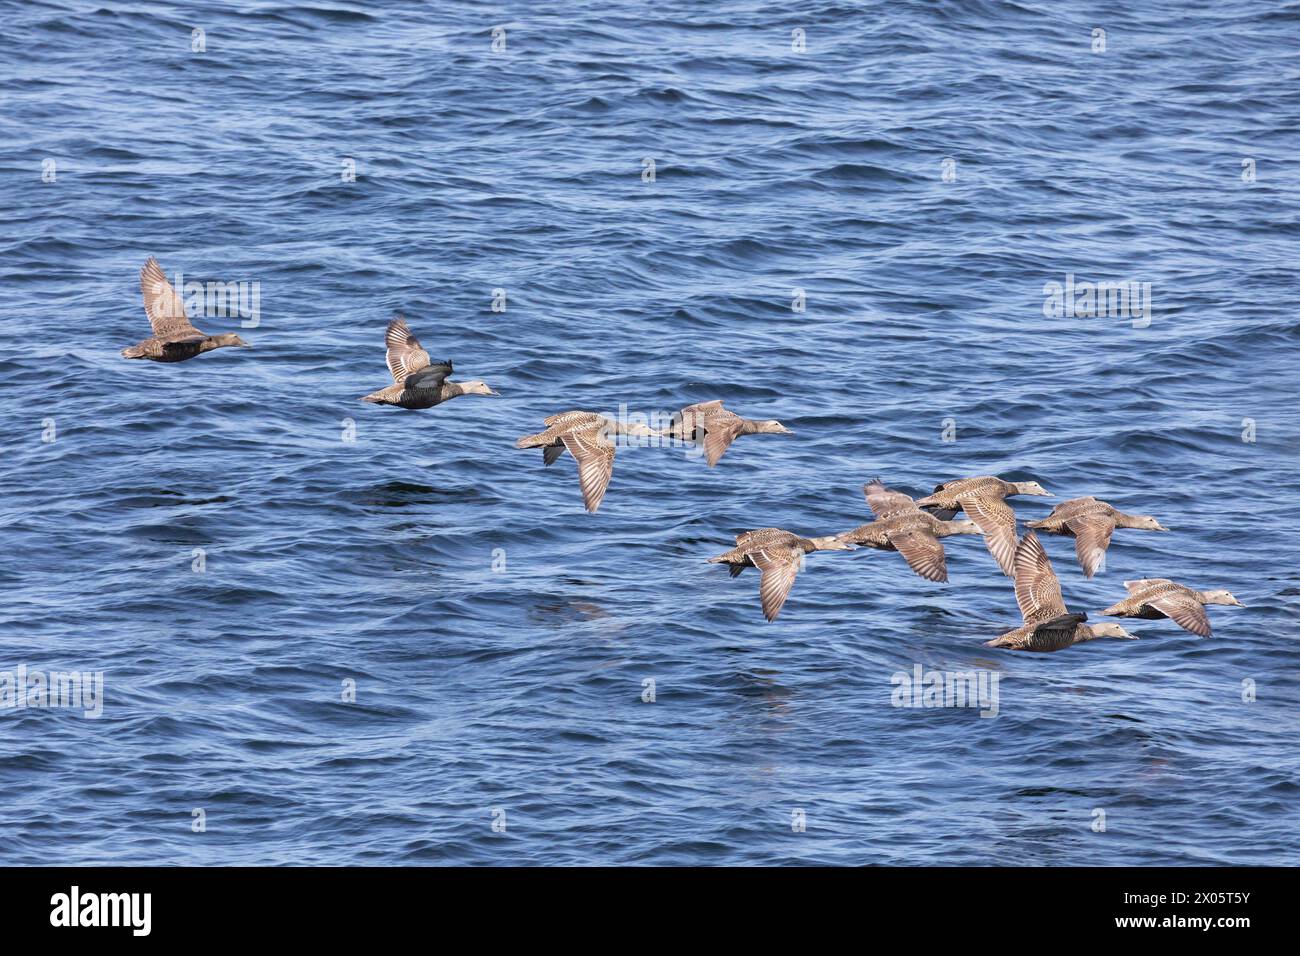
<point x="942" y="512"/>
<point x="420" y="399"/>
<point x="176" y="353"/>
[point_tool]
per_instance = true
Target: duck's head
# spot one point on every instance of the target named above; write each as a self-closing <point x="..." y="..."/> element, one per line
<point x="1112" y="630"/>
<point x="477" y="387"/>
<point x="771" y="426"/>
<point x="960" y="526"/>
<point x="1031" y="488"/>
<point x="831" y="542"/>
<point x="1146" y="523"/>
<point x="229" y="339"/>
<point x="638" y="430"/>
<point x="621" y="433"/>
<point x="1220" y="596"/>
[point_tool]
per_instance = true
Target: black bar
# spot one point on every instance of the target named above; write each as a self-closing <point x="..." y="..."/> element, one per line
<point x="334" y="906"/>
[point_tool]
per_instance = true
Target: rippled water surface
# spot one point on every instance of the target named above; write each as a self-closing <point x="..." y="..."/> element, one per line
<point x="500" y="638"/>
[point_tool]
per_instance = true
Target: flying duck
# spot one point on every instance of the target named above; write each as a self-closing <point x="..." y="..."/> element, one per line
<point x="778" y="555"/>
<point x="418" y="383"/>
<point x="586" y="436"/>
<point x="1048" y="625"/>
<point x="174" y="338"/>
<point x="717" y="427"/>
<point x="1152" y="598"/>
<point x="982" y="499"/>
<point x="1090" y="523"/>
<point x="903" y="527"/>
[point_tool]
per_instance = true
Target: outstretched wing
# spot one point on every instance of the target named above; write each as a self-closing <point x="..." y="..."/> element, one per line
<point x="883" y="501"/>
<point x="405" y="356"/>
<point x="166" y="309"/>
<point x="779" y="567"/>
<point x="689" y="416"/>
<point x="1091" y="539"/>
<point x="923" y="553"/>
<point x="429" y="377"/>
<point x="718" y="436"/>
<point x="1038" y="592"/>
<point x="718" y="426"/>
<point x="1184" y="610"/>
<point x="998" y="522"/>
<point x="595" y="455"/>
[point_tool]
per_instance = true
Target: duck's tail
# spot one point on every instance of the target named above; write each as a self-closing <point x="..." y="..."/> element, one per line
<point x="532" y="441"/>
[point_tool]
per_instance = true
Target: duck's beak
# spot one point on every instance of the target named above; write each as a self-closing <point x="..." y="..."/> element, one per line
<point x="493" y="391"/>
<point x="1236" y="603"/>
<point x="1160" y="527"/>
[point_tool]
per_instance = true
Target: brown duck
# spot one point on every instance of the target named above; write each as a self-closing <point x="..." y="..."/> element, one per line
<point x="418" y="383"/>
<point x="982" y="498"/>
<point x="174" y="338"/>
<point x="1152" y="598"/>
<point x="1048" y="625"/>
<point x="586" y="436"/>
<point x="778" y="555"/>
<point x="716" y="428"/>
<point x="1091" y="523"/>
<point x="903" y="527"/>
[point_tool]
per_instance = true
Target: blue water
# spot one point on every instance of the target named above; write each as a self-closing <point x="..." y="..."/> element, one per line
<point x="499" y="637"/>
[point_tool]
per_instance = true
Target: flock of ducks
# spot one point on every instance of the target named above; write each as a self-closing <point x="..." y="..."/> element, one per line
<point x="913" y="528"/>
